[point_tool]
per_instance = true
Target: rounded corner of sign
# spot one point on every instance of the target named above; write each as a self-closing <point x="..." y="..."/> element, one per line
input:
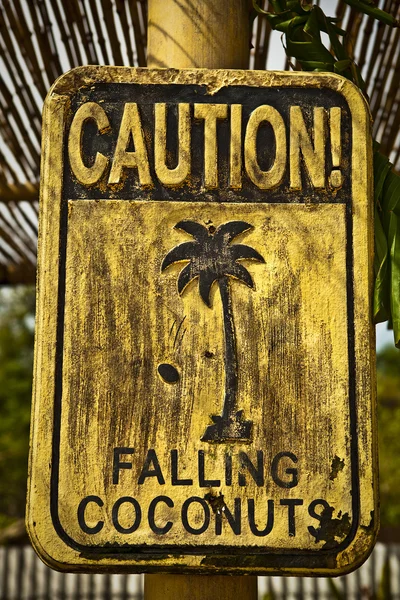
<point x="44" y="555"/>
<point x="350" y="92"/>
<point x="68" y="83"/>
<point x="51" y="550"/>
<point x="358" y="551"/>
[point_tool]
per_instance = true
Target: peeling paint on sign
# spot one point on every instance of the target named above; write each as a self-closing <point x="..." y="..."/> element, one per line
<point x="204" y="390"/>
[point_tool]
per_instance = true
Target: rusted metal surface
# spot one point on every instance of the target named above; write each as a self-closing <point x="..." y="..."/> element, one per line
<point x="204" y="381"/>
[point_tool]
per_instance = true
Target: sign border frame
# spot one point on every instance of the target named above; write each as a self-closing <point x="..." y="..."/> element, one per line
<point x="40" y="516"/>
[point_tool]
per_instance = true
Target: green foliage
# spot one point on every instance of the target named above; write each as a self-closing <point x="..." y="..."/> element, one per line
<point x="387" y="244"/>
<point x="368" y="8"/>
<point x="16" y="355"/>
<point x="302" y="25"/>
<point x="388" y="373"/>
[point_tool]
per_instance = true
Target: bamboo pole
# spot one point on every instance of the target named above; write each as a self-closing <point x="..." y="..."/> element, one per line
<point x="212" y="34"/>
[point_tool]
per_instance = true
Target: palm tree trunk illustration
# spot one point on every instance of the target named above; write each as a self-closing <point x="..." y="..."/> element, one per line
<point x="230" y="425"/>
<point x="231" y="375"/>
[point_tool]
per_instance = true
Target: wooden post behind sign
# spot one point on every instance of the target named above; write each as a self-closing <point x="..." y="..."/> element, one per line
<point x="199" y="587"/>
<point x="213" y="35"/>
<point x="197" y="33"/>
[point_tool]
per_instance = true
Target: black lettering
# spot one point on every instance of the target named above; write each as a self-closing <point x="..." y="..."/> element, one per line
<point x="118" y="465"/>
<point x="115" y="514"/>
<point x="151" y="460"/>
<point x="81" y="515"/>
<point x="184" y="515"/>
<point x="174" y="471"/>
<point x="256" y="473"/>
<point x="252" y="521"/>
<point x="315" y="515"/>
<point x="228" y="469"/>
<point x="291" y="503"/>
<point x="202" y="481"/>
<point x="152" y="510"/>
<point x="290" y="471"/>
<point x="234" y="521"/>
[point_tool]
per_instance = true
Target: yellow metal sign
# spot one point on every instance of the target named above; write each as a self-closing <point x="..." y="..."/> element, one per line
<point x="204" y="388"/>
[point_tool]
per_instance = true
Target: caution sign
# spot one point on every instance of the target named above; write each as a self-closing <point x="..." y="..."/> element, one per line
<point x="204" y="390"/>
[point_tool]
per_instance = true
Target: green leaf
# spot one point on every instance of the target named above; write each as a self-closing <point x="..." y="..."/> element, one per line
<point x="316" y="66"/>
<point x="342" y="65"/>
<point x="278" y="5"/>
<point x="337" y="30"/>
<point x="394" y="244"/>
<point x="309" y="52"/>
<point x="391" y="192"/>
<point x="259" y="10"/>
<point x="387" y="244"/>
<point x="382" y="167"/>
<point x="382" y="282"/>
<point x="296" y="6"/>
<point x="372" y="11"/>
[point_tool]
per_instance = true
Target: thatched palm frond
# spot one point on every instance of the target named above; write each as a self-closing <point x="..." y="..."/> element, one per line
<point x="41" y="39"/>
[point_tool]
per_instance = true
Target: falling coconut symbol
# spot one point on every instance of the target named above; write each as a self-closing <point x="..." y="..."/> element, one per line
<point x="212" y="258"/>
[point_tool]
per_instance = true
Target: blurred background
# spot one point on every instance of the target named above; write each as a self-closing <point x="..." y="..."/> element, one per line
<point x="39" y="40"/>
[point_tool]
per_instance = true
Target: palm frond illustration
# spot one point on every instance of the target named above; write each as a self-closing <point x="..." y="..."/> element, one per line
<point x="212" y="258"/>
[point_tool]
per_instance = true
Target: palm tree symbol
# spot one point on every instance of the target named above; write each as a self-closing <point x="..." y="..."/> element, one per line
<point x="212" y="258"/>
